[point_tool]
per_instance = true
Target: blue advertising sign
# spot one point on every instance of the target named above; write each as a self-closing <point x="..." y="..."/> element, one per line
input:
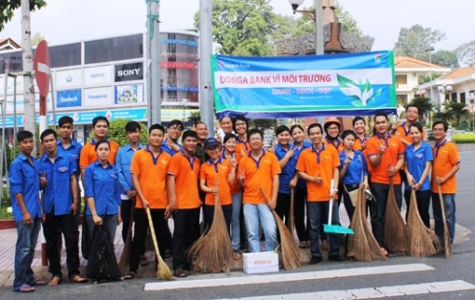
<point x="68" y="98"/>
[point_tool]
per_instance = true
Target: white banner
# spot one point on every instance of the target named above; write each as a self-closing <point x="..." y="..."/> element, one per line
<point x="98" y="96"/>
<point x="98" y="75"/>
<point x="68" y="78"/>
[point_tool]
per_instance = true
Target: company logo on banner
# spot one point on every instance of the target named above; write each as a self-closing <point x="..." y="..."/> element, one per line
<point x="97" y="75"/>
<point x="304" y="86"/>
<point x="69" y="98"/>
<point x="129" y="94"/>
<point x="127" y="72"/>
<point x="98" y="96"/>
<point x="68" y="78"/>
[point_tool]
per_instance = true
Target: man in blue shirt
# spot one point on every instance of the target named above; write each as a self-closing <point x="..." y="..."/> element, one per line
<point x="24" y="182"/>
<point x="60" y="206"/>
<point x="170" y="144"/>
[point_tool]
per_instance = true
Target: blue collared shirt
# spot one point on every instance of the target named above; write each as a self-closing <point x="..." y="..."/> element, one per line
<point x="103" y="184"/>
<point x="57" y="193"/>
<point x="74" y="150"/>
<point x="25" y="179"/>
<point x="123" y="160"/>
<point x="301" y="183"/>
<point x="357" y="168"/>
<point x="288" y="171"/>
<point x="416" y="163"/>
<point x="167" y="149"/>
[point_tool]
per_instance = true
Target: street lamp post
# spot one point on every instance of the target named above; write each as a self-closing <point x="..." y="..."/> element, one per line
<point x="183" y="102"/>
<point x="317" y="16"/>
<point x="430" y="49"/>
<point x="444" y="90"/>
<point x="472" y="101"/>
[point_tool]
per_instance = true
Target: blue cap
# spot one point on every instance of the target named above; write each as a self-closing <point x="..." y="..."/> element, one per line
<point x="211" y="142"/>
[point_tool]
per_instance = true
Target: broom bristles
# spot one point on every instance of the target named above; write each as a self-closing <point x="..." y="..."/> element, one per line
<point x="362" y="244"/>
<point x="423" y="242"/>
<point x="395" y="237"/>
<point x="163" y="271"/>
<point x="212" y="252"/>
<point x="125" y="257"/>
<point x="290" y="253"/>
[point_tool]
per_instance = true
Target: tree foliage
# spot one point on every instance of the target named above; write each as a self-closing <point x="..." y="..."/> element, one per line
<point x="36" y="39"/>
<point x="445" y="58"/>
<point x="245" y="28"/>
<point x="425" y="107"/>
<point x="7" y="9"/>
<point x="452" y="112"/>
<point x="466" y="53"/>
<point x="117" y="132"/>
<point x="416" y="40"/>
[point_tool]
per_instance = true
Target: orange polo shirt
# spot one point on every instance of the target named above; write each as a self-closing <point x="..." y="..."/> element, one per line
<point x="236" y="186"/>
<point x="152" y="175"/>
<point x="406" y="135"/>
<point x="258" y="174"/>
<point x="394" y="148"/>
<point x="242" y="147"/>
<point x="338" y="147"/>
<point x="321" y="163"/>
<point x="88" y="153"/>
<point x="445" y="157"/>
<point x="186" y="173"/>
<point x="210" y="172"/>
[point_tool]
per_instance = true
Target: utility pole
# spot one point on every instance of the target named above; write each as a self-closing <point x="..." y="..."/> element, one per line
<point x="205" y="93"/>
<point x="154" y="103"/>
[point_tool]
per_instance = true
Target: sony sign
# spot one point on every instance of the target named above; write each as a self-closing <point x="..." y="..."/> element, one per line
<point x="127" y="72"/>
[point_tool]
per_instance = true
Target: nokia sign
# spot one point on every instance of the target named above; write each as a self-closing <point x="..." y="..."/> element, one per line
<point x="127" y="72"/>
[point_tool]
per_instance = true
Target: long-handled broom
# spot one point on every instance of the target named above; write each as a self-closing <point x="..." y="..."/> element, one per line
<point x="125" y="257"/>
<point x="288" y="248"/>
<point x="291" y="221"/>
<point x="423" y="242"/>
<point x="362" y="245"/>
<point x="447" y="245"/>
<point x="395" y="237"/>
<point x="333" y="228"/>
<point x="163" y="270"/>
<point x="213" y="251"/>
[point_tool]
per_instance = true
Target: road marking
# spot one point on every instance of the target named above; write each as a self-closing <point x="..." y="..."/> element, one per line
<point x="283" y="277"/>
<point x="377" y="292"/>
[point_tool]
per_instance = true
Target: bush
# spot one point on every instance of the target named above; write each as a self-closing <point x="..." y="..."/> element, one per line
<point x="464" y="138"/>
<point x="117" y="132"/>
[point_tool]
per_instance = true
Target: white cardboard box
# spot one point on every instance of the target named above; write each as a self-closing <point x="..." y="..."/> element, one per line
<point x="260" y="262"/>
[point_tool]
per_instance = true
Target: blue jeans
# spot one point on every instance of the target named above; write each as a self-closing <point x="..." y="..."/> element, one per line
<point x="449" y="203"/>
<point x="253" y="214"/>
<point x="235" y="226"/>
<point x="316" y="222"/>
<point x="380" y="192"/>
<point x="27" y="236"/>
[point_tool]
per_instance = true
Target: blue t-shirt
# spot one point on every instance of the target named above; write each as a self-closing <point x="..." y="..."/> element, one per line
<point x="357" y="168"/>
<point x="416" y="163"/>
<point x="122" y="161"/>
<point x="288" y="171"/>
<point x="103" y="185"/>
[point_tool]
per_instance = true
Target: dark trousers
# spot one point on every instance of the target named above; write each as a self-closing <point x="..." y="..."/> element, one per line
<point x="316" y="223"/>
<point x="300" y="201"/>
<point x="381" y="192"/>
<point x="350" y="209"/>
<point x="125" y="208"/>
<point x="282" y="207"/>
<point x="67" y="225"/>
<point x="186" y="232"/>
<point x="162" y="234"/>
<point x="423" y="201"/>
<point x="227" y="211"/>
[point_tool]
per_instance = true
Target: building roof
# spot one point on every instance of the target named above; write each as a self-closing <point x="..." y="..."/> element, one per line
<point x="459" y="73"/>
<point x="406" y="62"/>
<point x="8" y="44"/>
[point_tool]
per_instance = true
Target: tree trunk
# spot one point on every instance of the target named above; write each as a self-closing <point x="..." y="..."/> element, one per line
<point x="27" y="56"/>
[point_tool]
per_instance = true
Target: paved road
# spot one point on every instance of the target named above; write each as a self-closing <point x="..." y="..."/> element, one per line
<point x="399" y="277"/>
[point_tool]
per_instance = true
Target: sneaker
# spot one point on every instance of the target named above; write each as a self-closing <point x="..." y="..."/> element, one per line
<point x="315" y="260"/>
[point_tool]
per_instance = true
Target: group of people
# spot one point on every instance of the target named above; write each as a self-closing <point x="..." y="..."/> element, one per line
<point x="175" y="180"/>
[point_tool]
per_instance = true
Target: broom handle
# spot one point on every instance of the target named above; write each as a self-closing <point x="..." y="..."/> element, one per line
<point x="330" y="208"/>
<point x="442" y="205"/>
<point x="152" y="232"/>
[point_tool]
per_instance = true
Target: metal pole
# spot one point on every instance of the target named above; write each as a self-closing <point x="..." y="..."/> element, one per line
<point x="155" y="61"/>
<point x="205" y="44"/>
<point x="15" y="123"/>
<point x="319" y="42"/>
<point x="4" y="103"/>
<point x="53" y="109"/>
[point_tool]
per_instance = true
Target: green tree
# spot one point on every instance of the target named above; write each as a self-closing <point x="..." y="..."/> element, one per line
<point x="36" y="39"/>
<point x="445" y="58"/>
<point x="466" y="53"/>
<point x="414" y="41"/>
<point x="245" y="27"/>
<point x="194" y="117"/>
<point x="458" y="112"/>
<point x="117" y="132"/>
<point x="425" y="107"/>
<point x="8" y="7"/>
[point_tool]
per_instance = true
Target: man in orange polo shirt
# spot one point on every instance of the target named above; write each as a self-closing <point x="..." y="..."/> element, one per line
<point x="100" y="129"/>
<point x="149" y="173"/>
<point x="446" y="165"/>
<point x="386" y="156"/>
<point x="402" y="130"/>
<point x="259" y="169"/>
<point x="318" y="166"/>
<point x="182" y="181"/>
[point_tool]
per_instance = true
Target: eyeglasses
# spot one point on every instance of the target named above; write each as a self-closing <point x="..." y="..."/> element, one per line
<point x="255" y="139"/>
<point x="240" y="124"/>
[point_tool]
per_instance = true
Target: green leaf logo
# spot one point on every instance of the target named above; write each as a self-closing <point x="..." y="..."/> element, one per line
<point x="362" y="92"/>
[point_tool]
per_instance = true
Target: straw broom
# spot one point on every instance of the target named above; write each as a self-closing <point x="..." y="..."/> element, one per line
<point x="423" y="242"/>
<point x="163" y="270"/>
<point x="291" y="221"/>
<point x="125" y="257"/>
<point x="290" y="253"/>
<point x="447" y="245"/>
<point x="213" y="251"/>
<point x="395" y="237"/>
<point x="362" y="245"/>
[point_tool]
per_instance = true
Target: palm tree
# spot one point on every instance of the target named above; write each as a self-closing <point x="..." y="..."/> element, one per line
<point x="194" y="117"/>
<point x="425" y="107"/>
<point x="457" y="112"/>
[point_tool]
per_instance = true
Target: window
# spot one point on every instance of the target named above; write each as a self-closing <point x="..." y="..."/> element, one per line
<point x="65" y="55"/>
<point x="11" y="61"/>
<point x="119" y="48"/>
<point x="401" y="79"/>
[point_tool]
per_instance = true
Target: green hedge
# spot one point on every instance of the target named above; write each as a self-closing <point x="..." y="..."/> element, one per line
<point x="464" y="138"/>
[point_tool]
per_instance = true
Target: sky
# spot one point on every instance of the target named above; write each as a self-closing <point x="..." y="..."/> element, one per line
<point x="64" y="21"/>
